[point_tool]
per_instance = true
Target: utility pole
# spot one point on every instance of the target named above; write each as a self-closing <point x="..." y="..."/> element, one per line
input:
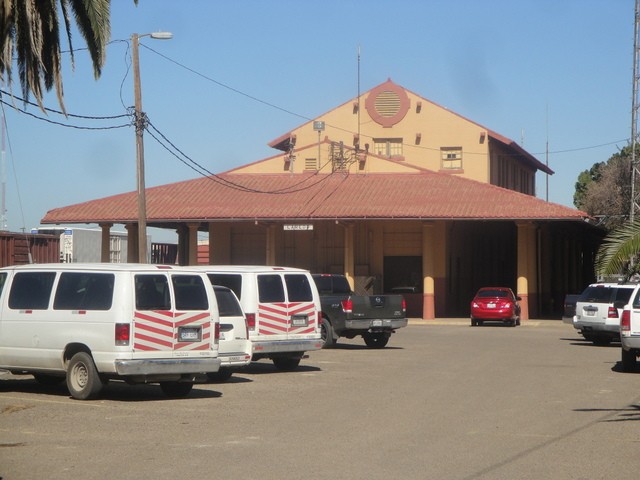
<point x="635" y="167"/>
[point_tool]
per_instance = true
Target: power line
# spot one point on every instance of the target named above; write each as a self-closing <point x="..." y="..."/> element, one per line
<point x="306" y="118"/>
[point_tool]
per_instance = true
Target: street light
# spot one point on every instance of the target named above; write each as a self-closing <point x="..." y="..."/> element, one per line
<point x="140" y="120"/>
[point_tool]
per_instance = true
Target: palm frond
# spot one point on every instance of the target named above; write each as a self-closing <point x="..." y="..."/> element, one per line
<point x="618" y="248"/>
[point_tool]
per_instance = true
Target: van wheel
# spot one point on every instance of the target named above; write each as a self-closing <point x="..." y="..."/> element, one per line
<point x="83" y="380"/>
<point x="221" y="375"/>
<point x="48" y="380"/>
<point x="326" y="333"/>
<point x="176" y="389"/>
<point x="628" y="358"/>
<point x="286" y="364"/>
<point x="376" y="339"/>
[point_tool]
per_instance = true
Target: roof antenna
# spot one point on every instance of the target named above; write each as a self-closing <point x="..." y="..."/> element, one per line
<point x="358" y="144"/>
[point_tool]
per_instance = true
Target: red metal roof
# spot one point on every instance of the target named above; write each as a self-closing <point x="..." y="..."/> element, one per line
<point x="426" y="195"/>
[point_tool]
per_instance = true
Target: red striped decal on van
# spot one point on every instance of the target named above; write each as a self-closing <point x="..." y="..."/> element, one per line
<point x="274" y="318"/>
<point x="158" y="330"/>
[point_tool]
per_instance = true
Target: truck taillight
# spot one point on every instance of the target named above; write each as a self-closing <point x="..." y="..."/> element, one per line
<point x="251" y="321"/>
<point x="123" y="333"/>
<point x="625" y="321"/>
<point x="347" y="305"/>
<point x="612" y="313"/>
<point x="404" y="305"/>
<point x="216" y="333"/>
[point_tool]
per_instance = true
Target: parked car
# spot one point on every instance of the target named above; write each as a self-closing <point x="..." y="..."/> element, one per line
<point x="569" y="308"/>
<point x="345" y="314"/>
<point x="598" y="311"/>
<point x="495" y="304"/>
<point x="234" y="349"/>
<point x="630" y="331"/>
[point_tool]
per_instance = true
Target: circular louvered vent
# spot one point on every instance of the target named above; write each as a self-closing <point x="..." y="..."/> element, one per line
<point x="387" y="104"/>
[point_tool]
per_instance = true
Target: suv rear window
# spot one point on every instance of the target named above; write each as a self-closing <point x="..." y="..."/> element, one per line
<point x="227" y="303"/>
<point x="602" y="294"/>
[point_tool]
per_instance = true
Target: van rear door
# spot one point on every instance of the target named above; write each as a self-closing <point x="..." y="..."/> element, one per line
<point x="172" y="315"/>
<point x="286" y="307"/>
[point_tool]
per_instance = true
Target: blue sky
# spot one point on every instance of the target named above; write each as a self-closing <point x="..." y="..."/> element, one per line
<point x="531" y="70"/>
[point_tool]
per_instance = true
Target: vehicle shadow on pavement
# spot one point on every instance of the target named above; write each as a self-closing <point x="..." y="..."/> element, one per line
<point x="617" y="368"/>
<point x="113" y="391"/>
<point x="358" y="346"/>
<point x="627" y="414"/>
<point x="265" y="368"/>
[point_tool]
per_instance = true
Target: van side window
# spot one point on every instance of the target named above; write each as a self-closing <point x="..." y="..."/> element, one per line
<point x="152" y="292"/>
<point x="84" y="291"/>
<point x="3" y="280"/>
<point x="190" y="292"/>
<point x="298" y="287"/>
<point x="31" y="290"/>
<point x="270" y="289"/>
<point x="229" y="280"/>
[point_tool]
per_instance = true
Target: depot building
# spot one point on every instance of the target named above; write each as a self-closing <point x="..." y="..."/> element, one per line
<point x="390" y="189"/>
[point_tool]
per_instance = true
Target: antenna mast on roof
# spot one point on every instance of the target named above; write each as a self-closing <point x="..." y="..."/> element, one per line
<point x="635" y="169"/>
<point x="3" y="169"/>
<point x="358" y="143"/>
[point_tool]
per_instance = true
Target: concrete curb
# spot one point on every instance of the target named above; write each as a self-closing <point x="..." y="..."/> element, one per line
<point x="467" y="322"/>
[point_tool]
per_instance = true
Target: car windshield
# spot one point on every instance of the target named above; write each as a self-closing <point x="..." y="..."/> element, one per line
<point x="493" y="294"/>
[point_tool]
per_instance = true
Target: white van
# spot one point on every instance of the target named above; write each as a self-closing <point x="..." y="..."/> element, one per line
<point x="282" y="308"/>
<point x="91" y="323"/>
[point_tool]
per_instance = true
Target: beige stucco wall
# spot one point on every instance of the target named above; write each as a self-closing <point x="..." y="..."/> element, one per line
<point x="425" y="128"/>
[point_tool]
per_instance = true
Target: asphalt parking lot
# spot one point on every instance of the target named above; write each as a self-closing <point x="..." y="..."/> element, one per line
<point x="444" y="401"/>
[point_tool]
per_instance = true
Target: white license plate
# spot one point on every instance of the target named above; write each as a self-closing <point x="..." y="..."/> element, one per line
<point x="189" y="334"/>
<point x="377" y="323"/>
<point x="299" y="320"/>
<point x="491" y="305"/>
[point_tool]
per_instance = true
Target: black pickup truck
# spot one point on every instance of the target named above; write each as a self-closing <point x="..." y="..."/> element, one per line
<point x="345" y="314"/>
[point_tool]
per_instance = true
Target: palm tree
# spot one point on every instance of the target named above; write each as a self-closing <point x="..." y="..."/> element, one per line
<point x="30" y="33"/>
<point x="619" y="251"/>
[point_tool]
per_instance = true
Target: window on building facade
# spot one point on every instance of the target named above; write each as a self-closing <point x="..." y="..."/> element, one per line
<point x="451" y="158"/>
<point x="387" y="147"/>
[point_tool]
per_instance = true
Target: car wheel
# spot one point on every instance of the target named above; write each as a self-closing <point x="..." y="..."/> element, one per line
<point x="326" y="333"/>
<point x="83" y="380"/>
<point x="176" y="389"/>
<point x="286" y="364"/>
<point x="628" y="360"/>
<point x="376" y="339"/>
<point x="473" y="322"/>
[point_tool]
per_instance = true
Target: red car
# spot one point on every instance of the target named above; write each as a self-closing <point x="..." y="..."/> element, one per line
<point x="495" y="304"/>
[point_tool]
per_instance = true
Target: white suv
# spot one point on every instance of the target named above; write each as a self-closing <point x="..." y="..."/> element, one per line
<point x="598" y="310"/>
<point x="630" y="332"/>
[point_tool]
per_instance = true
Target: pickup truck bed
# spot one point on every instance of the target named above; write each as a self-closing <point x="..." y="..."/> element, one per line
<point x="344" y="314"/>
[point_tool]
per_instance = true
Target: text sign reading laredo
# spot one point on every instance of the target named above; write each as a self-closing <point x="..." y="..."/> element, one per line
<point x="298" y="227"/>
